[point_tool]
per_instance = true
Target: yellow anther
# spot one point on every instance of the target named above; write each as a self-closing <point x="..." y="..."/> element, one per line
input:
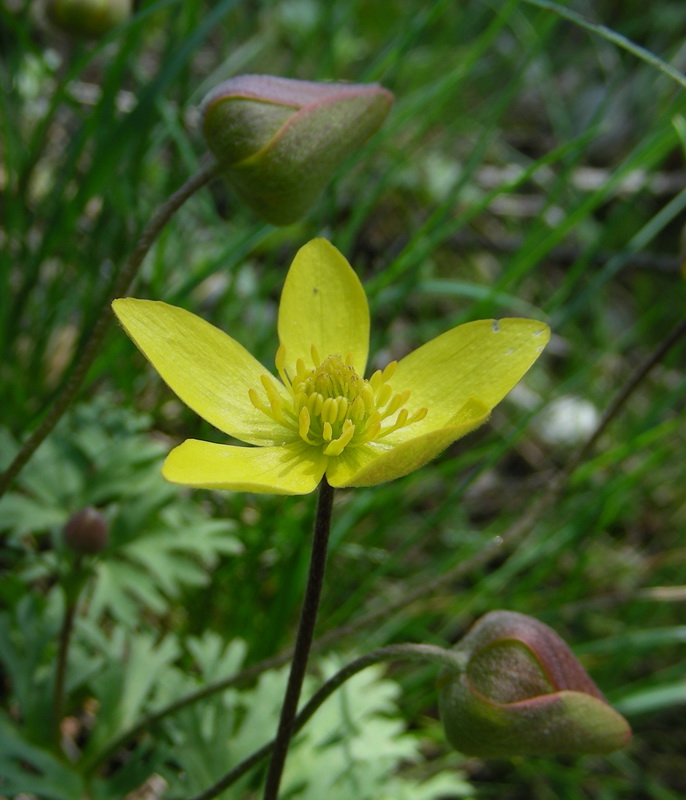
<point x="348" y="359"/>
<point x="376" y="380"/>
<point x="401" y="419"/>
<point x="399" y="423"/>
<point x="280" y="363"/>
<point x="327" y="432"/>
<point x="368" y="399"/>
<point x="389" y="370"/>
<point x="356" y="409"/>
<point x="299" y="401"/>
<point x="276" y="407"/>
<point x="393" y="406"/>
<point x="336" y="447"/>
<point x="331" y="414"/>
<point x="304" y="424"/>
<point x="280" y="357"/>
<point x="343" y="409"/>
<point x="372" y="430"/>
<point x="300" y="369"/>
<point x="273" y="396"/>
<point x="396" y="402"/>
<point x="311" y="403"/>
<point x="328" y="412"/>
<point x="255" y="400"/>
<point x="315" y="356"/>
<point x="418" y="415"/>
<point x="383" y="395"/>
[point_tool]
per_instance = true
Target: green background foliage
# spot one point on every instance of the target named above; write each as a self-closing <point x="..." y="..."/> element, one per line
<point x="529" y="167"/>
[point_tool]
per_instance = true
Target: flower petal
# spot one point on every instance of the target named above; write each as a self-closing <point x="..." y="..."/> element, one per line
<point x="291" y="469"/>
<point x="482" y="360"/>
<point x="323" y="304"/>
<point x="378" y="462"/>
<point x="209" y="371"/>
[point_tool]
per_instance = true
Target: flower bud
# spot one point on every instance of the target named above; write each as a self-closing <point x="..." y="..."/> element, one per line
<point x="522" y="692"/>
<point x="88" y="18"/>
<point x="86" y="532"/>
<point x="280" y="140"/>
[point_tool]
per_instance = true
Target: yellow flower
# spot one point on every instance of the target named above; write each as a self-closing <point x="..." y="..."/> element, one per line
<point x="323" y="417"/>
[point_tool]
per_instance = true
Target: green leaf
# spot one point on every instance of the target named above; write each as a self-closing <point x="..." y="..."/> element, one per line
<point x="135" y="665"/>
<point x="27" y="769"/>
<point x="653" y="699"/>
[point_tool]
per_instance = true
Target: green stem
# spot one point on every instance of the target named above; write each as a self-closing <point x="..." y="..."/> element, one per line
<point x="61" y="667"/>
<point x="73" y="583"/>
<point x="80" y="369"/>
<point x="411" y="652"/>
<point x="303" y="642"/>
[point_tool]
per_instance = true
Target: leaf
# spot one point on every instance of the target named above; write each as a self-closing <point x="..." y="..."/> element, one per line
<point x="135" y="664"/>
<point x="23" y="515"/>
<point x="27" y="769"/>
<point x="176" y="552"/>
<point x="654" y="698"/>
<point x="27" y="648"/>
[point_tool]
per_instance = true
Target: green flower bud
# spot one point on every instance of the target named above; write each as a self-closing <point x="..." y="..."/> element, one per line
<point x="280" y="140"/>
<point x="86" y="532"/>
<point x="523" y="693"/>
<point x="88" y="18"/>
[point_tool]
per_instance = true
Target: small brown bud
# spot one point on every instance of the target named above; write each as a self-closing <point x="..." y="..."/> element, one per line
<point x="86" y="532"/>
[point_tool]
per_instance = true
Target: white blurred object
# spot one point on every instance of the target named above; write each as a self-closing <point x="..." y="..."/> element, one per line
<point x="567" y="421"/>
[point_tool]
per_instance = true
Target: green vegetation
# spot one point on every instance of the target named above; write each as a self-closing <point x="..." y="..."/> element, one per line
<point x="530" y="167"/>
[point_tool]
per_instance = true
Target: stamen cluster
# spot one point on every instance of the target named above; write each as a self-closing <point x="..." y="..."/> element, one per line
<point x="332" y="406"/>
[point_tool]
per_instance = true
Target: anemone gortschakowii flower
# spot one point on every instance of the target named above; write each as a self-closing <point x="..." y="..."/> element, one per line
<point x="321" y="417"/>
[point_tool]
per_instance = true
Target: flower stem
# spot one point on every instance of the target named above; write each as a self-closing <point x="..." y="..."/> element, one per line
<point x="411" y="652"/>
<point x="303" y="642"/>
<point x="80" y="369"/>
<point x="61" y="667"/>
<point x="72" y="590"/>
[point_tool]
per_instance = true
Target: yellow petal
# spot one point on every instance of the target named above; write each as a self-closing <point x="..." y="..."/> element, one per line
<point x="291" y="469"/>
<point x="323" y="304"/>
<point x="378" y="462"/>
<point x="209" y="371"/>
<point x="483" y="360"/>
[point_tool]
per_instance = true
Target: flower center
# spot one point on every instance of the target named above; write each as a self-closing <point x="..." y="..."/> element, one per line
<point x="332" y="406"/>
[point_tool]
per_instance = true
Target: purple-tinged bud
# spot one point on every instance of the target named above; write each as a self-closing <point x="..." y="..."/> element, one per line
<point x="86" y="532"/>
<point x="280" y="140"/>
<point x="523" y="693"/>
<point x="88" y="18"/>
